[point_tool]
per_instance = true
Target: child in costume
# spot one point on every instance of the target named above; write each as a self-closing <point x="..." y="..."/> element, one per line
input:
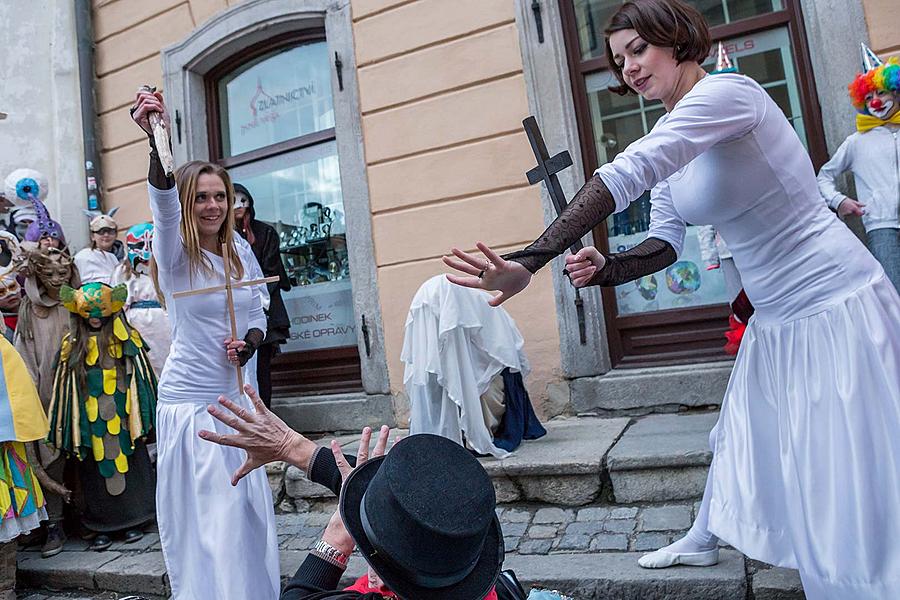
<point x="143" y="308"/>
<point x="98" y="262"/>
<point x="27" y="189"/>
<point x="871" y="155"/>
<point x="22" y="422"/>
<point x="104" y="405"/>
<point x="42" y="321"/>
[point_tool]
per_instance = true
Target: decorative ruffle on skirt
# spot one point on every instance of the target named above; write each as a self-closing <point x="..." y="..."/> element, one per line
<point x="21" y="499"/>
<point x="806" y="472"/>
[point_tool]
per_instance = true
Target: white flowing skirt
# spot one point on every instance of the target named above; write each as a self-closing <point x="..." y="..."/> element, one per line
<point x="806" y="472"/>
<point x="218" y="541"/>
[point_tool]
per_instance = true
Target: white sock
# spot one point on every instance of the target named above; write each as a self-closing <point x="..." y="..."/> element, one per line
<point x="699" y="538"/>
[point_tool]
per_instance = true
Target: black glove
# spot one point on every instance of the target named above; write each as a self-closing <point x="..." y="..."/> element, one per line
<point x="252" y="341"/>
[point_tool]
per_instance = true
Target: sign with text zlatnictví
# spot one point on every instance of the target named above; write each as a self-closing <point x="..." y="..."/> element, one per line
<point x="321" y="316"/>
<point x="282" y="96"/>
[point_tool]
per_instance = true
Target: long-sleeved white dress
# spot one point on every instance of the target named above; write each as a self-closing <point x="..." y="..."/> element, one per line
<point x="806" y="470"/>
<point x="218" y="541"/>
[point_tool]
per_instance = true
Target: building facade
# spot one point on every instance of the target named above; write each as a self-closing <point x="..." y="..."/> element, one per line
<point x="376" y="134"/>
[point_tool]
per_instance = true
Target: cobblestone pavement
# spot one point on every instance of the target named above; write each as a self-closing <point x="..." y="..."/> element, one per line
<point x="528" y="530"/>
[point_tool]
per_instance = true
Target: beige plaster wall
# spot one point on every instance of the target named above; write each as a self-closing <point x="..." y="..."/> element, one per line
<point x="442" y="96"/>
<point x="882" y="17"/>
<point x="129" y="35"/>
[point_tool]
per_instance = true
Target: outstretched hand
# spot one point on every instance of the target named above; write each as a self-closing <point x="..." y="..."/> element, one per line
<point x="336" y="533"/>
<point x="490" y="273"/>
<point x="264" y="436"/>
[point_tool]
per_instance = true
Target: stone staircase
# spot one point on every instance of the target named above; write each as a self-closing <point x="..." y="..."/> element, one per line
<point x="578" y="507"/>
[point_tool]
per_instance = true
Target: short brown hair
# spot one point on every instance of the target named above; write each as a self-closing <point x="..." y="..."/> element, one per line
<point x="664" y="23"/>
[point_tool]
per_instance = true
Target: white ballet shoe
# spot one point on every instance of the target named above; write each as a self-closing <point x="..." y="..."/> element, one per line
<point x="663" y="558"/>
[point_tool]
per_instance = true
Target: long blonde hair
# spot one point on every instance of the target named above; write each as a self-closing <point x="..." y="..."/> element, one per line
<point x="187" y="177"/>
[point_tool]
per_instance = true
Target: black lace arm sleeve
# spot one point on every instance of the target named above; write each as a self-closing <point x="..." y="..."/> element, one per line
<point x="253" y="339"/>
<point x="590" y="206"/>
<point x="157" y="173"/>
<point x="648" y="257"/>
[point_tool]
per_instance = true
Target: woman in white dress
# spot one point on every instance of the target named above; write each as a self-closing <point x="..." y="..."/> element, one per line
<point x="218" y="540"/>
<point x="805" y="472"/>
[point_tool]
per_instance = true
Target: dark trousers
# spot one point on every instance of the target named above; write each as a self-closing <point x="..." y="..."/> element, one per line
<point x="264" y="371"/>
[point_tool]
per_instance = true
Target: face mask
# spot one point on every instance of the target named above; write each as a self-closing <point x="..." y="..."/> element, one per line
<point x="52" y="269"/>
<point x="138" y="240"/>
<point x="241" y="201"/>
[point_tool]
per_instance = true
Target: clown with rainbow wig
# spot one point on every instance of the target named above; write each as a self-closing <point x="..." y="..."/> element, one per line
<point x="872" y="154"/>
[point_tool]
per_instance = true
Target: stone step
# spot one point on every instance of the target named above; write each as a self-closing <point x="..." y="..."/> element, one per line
<point x="617" y="576"/>
<point x="564" y="468"/>
<point x="655" y="458"/>
<point x="335" y="412"/>
<point x="580" y="575"/>
<point x="652" y="389"/>
<point x="662" y="458"/>
<point x="777" y="584"/>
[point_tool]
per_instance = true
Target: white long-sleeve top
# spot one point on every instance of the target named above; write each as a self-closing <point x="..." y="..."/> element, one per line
<point x="726" y="156"/>
<point x="874" y="159"/>
<point x="96" y="265"/>
<point x="197" y="369"/>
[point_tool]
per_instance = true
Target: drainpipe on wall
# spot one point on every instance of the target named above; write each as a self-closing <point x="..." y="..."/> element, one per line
<point x="85" y="41"/>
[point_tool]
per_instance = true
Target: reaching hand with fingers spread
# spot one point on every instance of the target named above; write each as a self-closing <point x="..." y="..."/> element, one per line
<point x="264" y="436"/>
<point x="335" y="533"/>
<point x="490" y="272"/>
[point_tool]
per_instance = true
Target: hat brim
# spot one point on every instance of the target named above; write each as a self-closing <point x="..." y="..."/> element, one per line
<point x="475" y="586"/>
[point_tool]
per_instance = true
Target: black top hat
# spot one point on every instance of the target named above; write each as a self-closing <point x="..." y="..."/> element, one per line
<point x="423" y="518"/>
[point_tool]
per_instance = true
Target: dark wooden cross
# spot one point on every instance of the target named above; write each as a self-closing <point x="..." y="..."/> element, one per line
<point x="546" y="170"/>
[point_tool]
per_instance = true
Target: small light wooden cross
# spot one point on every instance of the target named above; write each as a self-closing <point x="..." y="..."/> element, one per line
<point x="228" y="287"/>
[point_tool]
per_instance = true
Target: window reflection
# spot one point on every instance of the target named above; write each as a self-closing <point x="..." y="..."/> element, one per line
<point x="299" y="194"/>
<point x="277" y="97"/>
<point x="592" y="16"/>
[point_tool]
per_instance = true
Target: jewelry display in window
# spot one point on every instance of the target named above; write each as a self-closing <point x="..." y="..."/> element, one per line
<point x="310" y="252"/>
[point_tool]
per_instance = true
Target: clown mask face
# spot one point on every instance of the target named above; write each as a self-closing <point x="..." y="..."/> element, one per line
<point x="882" y="104"/>
<point x="138" y="241"/>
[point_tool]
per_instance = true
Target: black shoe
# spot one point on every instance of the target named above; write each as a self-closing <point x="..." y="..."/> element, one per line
<point x="133" y="535"/>
<point x="55" y="540"/>
<point x="101" y="543"/>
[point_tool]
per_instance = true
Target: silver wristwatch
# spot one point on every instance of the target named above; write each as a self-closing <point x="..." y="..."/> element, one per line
<point x="327" y="552"/>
